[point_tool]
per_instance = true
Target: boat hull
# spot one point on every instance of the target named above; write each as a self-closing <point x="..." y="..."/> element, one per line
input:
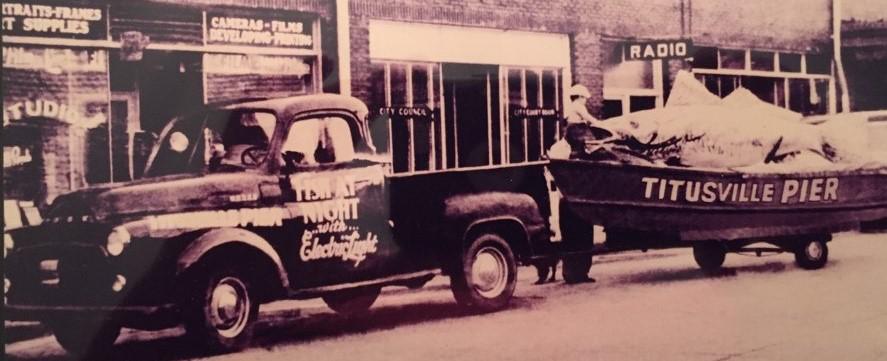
<point x="698" y="204"/>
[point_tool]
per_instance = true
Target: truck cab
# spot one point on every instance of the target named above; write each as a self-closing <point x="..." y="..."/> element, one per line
<point x="264" y="200"/>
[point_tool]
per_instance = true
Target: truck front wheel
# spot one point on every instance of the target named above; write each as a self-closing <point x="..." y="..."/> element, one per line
<point x="486" y="275"/>
<point x="84" y="336"/>
<point x="222" y="309"/>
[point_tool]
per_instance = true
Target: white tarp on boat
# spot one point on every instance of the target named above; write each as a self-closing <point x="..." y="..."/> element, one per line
<point x="744" y="133"/>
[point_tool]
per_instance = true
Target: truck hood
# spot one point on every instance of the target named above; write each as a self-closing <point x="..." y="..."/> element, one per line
<point x="159" y="195"/>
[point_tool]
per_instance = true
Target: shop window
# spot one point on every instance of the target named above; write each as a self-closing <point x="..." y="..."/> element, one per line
<point x="705" y="57"/>
<point x="414" y="142"/>
<point x="790" y="62"/>
<point x="805" y="92"/>
<point x="818" y="64"/>
<point x="238" y="76"/>
<point x="62" y="88"/>
<point x="632" y="85"/>
<point x="762" y="60"/>
<point x="731" y="59"/>
<point x="532" y="93"/>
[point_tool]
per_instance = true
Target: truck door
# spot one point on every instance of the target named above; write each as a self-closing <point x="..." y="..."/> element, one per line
<point x="339" y="204"/>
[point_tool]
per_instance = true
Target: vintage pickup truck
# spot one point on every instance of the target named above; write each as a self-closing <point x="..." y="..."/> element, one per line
<point x="248" y="203"/>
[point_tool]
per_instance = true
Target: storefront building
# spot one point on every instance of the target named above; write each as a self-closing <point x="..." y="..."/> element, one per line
<point x="87" y="85"/>
<point x="481" y="83"/>
<point x="450" y="84"/>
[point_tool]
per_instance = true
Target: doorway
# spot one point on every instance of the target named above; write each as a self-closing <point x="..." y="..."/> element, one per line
<point x="471" y="98"/>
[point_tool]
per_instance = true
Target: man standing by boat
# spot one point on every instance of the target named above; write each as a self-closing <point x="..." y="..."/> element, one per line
<point x="577" y="112"/>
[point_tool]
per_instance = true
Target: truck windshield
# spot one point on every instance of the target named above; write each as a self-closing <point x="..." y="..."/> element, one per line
<point x="222" y="140"/>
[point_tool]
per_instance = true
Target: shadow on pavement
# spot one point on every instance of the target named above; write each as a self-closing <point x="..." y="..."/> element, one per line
<point x="286" y="327"/>
<point x="659" y="276"/>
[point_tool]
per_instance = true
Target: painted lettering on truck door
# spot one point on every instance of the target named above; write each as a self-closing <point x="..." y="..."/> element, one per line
<point x="339" y="205"/>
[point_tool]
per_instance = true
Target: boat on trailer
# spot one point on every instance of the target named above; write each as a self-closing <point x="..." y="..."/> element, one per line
<point x="718" y="211"/>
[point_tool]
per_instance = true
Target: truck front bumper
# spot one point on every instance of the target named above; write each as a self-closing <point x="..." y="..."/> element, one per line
<point x="139" y="316"/>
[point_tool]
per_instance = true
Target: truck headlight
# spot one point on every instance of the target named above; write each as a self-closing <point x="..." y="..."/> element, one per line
<point x="117" y="241"/>
<point x="8" y="244"/>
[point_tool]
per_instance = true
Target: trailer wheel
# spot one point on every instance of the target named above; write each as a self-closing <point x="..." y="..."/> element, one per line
<point x="812" y="254"/>
<point x="486" y="275"/>
<point x="709" y="256"/>
<point x="352" y="301"/>
<point x="221" y="311"/>
<point x="83" y="336"/>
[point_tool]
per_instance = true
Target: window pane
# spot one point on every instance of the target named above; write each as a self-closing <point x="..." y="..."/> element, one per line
<point x="808" y="96"/>
<point x="639" y="103"/>
<point x="790" y="62"/>
<point x="629" y="74"/>
<point x="516" y="127"/>
<point x="705" y="58"/>
<point x="732" y="59"/>
<point x="378" y="123"/>
<point x="764" y="88"/>
<point x="400" y="135"/>
<point x="421" y="127"/>
<point x="818" y="64"/>
<point x="762" y="60"/>
<point x="534" y="133"/>
<point x="612" y="108"/>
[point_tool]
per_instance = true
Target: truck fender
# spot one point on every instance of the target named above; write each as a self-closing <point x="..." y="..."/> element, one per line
<point x="218" y="237"/>
<point x="516" y="210"/>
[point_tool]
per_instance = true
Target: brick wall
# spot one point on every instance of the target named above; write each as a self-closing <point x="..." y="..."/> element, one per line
<point x="786" y="25"/>
<point x="798" y="25"/>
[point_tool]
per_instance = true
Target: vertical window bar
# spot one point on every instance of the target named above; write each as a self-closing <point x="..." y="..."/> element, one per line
<point x="523" y="104"/>
<point x="657" y="81"/>
<point x="747" y="59"/>
<point x="503" y="111"/>
<point x="785" y="92"/>
<point x="803" y="63"/>
<point x="443" y="118"/>
<point x="557" y="99"/>
<point x="506" y="130"/>
<point x="432" y="144"/>
<point x="455" y="128"/>
<point x="388" y="104"/>
<point x="411" y="146"/>
<point x="540" y="104"/>
<point x="489" y="121"/>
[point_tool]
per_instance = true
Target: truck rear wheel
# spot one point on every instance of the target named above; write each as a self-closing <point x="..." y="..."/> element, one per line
<point x="352" y="301"/>
<point x="84" y="336"/>
<point x="221" y="312"/>
<point x="486" y="274"/>
<point x="709" y="256"/>
<point x="812" y="254"/>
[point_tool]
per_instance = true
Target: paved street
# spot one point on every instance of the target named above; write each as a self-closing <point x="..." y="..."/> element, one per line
<point x="653" y="306"/>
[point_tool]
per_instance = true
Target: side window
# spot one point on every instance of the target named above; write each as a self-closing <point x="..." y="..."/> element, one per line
<point x="318" y="141"/>
<point x="337" y="142"/>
